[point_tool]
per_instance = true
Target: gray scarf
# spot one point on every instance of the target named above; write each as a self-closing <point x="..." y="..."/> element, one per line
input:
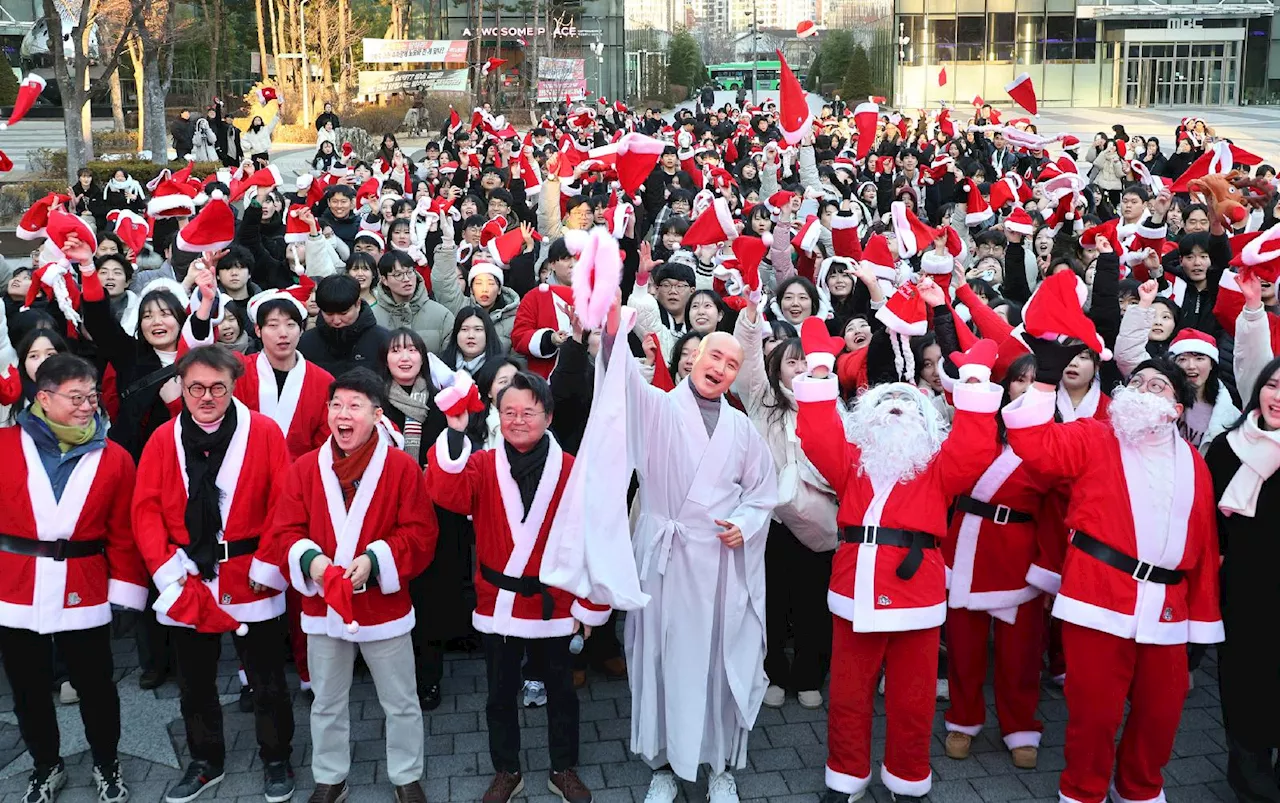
<point x="414" y="404"/>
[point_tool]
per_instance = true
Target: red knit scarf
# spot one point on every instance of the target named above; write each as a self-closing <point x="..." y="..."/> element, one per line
<point x="350" y="467"/>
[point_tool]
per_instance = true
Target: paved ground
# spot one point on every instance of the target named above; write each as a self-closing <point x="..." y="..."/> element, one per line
<point x="786" y="755"/>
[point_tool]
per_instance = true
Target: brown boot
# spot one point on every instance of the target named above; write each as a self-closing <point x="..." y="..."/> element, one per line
<point x="579" y="678"/>
<point x="569" y="787"/>
<point x="329" y="793"/>
<point x="410" y="793"/>
<point x="1024" y="758"/>
<point x="957" y="745"/>
<point x="615" y="667"/>
<point x="503" y="787"/>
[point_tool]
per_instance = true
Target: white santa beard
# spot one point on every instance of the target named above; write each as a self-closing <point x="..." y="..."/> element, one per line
<point x="1139" y="417"/>
<point x="895" y="447"/>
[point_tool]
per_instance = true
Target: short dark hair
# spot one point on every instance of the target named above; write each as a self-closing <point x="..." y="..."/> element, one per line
<point x="279" y="305"/>
<point x="1139" y="190"/>
<point x="393" y="259"/>
<point x="237" y="257"/>
<point x="121" y="259"/>
<point x="501" y="194"/>
<point x="215" y="357"/>
<point x="59" y="369"/>
<point x="558" y="250"/>
<point x="527" y="380"/>
<point x="1183" y="391"/>
<point x="1189" y="241"/>
<point x="363" y="381"/>
<point x="475" y="221"/>
<point x="337" y="293"/>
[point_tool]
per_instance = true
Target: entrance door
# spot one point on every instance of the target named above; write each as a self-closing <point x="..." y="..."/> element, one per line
<point x="1161" y="74"/>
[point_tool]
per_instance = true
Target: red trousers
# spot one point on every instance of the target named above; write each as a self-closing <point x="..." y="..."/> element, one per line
<point x="1105" y="670"/>
<point x="1017" y="675"/>
<point x="910" y="659"/>
<point x="297" y="639"/>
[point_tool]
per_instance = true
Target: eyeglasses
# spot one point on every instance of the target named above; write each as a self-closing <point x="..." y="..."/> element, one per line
<point x="217" y="390"/>
<point x="78" y="399"/>
<point x="356" y="409"/>
<point x="511" y="416"/>
<point x="1155" y="384"/>
<point x="673" y="285"/>
<point x="401" y="275"/>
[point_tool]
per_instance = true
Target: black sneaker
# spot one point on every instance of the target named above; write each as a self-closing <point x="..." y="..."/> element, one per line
<point x="246" y="700"/>
<point x="429" y="698"/>
<point x="111" y="788"/>
<point x="152" y="679"/>
<point x="44" y="783"/>
<point x="200" y="775"/>
<point x="277" y="781"/>
<point x="329" y="793"/>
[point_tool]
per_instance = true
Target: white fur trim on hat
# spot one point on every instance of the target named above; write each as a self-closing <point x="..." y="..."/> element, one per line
<point x="1193" y="346"/>
<point x="907" y="245"/>
<point x="933" y="262"/>
<point x="481" y="268"/>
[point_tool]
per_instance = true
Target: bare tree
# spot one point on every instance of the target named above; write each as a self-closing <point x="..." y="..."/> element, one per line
<point x="213" y="29"/>
<point x="157" y="36"/>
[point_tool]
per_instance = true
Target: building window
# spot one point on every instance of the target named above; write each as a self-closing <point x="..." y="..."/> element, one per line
<point x="1030" y="41"/>
<point x="1086" y="40"/>
<point x="1000" y="37"/>
<point x="1060" y="38"/>
<point x="944" y="38"/>
<point x="916" y="49"/>
<point x="970" y="38"/>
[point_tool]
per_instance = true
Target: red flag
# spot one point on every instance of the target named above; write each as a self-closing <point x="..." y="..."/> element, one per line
<point x="942" y="77"/>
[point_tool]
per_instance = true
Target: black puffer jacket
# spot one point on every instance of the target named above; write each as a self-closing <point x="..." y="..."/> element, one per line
<point x="340" y="350"/>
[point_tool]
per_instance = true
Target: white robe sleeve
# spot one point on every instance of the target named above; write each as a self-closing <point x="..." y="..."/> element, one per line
<point x="759" y="488"/>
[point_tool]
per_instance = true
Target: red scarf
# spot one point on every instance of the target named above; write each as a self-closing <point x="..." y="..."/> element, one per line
<point x="350" y="467"/>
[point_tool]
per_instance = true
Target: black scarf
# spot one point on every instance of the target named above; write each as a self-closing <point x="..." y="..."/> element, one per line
<point x="526" y="470"/>
<point x="204" y="453"/>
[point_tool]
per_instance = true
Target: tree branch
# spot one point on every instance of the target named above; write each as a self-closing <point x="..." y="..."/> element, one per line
<point x="133" y="22"/>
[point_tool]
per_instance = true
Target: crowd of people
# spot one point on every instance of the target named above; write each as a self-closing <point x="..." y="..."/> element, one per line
<point x="864" y="400"/>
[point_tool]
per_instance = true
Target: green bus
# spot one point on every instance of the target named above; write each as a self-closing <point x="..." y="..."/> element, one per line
<point x="732" y="75"/>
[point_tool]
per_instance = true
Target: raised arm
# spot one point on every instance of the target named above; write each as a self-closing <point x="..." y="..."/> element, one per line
<point x="752" y="381"/>
<point x="1252" y="348"/>
<point x="821" y="429"/>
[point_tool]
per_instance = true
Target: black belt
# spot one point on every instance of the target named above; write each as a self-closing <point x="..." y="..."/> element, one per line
<point x="1000" y="514"/>
<point x="526" y="586"/>
<point x="61" y="549"/>
<point x="1142" y="572"/>
<point x="917" y="542"/>
<point x="236" y="549"/>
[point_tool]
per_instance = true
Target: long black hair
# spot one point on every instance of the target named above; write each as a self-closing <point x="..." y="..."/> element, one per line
<point x="492" y="342"/>
<point x="1026" y="364"/>
<point x="404" y="336"/>
<point x="780" y="405"/>
<point x="1255" y="399"/>
<point x="673" y="363"/>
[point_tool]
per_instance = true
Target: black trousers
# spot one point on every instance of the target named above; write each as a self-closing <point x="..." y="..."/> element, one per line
<point x="443" y="597"/>
<point x="28" y="663"/>
<point x="502" y="656"/>
<point x="795" y="601"/>
<point x="1252" y="773"/>
<point x="152" y="638"/>
<point x="262" y="649"/>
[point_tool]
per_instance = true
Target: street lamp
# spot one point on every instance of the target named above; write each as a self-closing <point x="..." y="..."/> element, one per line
<point x="306" y="63"/>
<point x="755" y="53"/>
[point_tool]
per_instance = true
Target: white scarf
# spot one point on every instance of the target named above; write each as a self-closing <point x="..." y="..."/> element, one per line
<point x="1259" y="453"/>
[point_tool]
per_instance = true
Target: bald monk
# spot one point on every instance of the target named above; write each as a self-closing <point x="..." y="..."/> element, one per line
<point x="707" y="488"/>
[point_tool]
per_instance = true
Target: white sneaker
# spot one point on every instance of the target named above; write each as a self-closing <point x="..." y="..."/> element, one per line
<point x="68" y="695"/>
<point x="663" y="788"/>
<point x="721" y="788"/>
<point x="944" y="689"/>
<point x="811" y="700"/>
<point x="775" y="696"/>
<point x="535" y="694"/>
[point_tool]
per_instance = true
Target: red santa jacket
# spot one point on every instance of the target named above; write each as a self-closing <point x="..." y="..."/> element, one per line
<point x="391" y="516"/>
<point x="544" y="310"/>
<point x="1104" y="505"/>
<point x="51" y="596"/>
<point x="987" y="562"/>
<point x="865" y="588"/>
<point x="480" y="485"/>
<point x="249" y="480"/>
<point x="301" y="409"/>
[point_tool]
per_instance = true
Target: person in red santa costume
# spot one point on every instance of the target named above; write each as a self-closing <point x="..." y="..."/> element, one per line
<point x="994" y="541"/>
<point x="66" y="555"/>
<point x="361" y="506"/>
<point x="206" y="483"/>
<point x="895" y="474"/>
<point x="1140" y="578"/>
<point x="543" y="317"/>
<point x="513" y="492"/>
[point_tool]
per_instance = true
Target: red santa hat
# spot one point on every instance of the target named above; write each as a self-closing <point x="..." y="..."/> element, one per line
<point x="942" y="77"/>
<point x="212" y="229"/>
<point x="1022" y="92"/>
<point x="978" y="102"/>
<point x="779" y="199"/>
<point x="877" y="258"/>
<point x="1009" y="189"/>
<point x="263" y="181"/>
<point x="1193" y="341"/>
<point x="28" y="91"/>
<point x="976" y="363"/>
<point x="977" y="210"/>
<point x="507" y="246"/>
<point x="844" y="237"/>
<point x="298" y="295"/>
<point x="460" y="397"/>
<point x="637" y="155"/>
<point x="945" y="124"/>
<point x="737" y="279"/>
<point x="347" y="149"/>
<point x="6" y="164"/>
<point x="296" y="230"/>
<point x="904" y="313"/>
<point x="1258" y="255"/>
<point x="1089" y="237"/>
<point x="267" y="94"/>
<point x="173" y="199"/>
<point x="1055" y="310"/>
<point x="1020" y="222"/>
<point x="339" y="595"/>
<point x="914" y="236"/>
<point x="191" y="603"/>
<point x="36" y="219"/>
<point x="597" y="274"/>
<point x="492" y="229"/>
<point x="618" y="215"/>
<point x="53" y="279"/>
<point x="368" y="191"/>
<point x="820" y="347"/>
<point x="133" y="229"/>
<point x="806" y="28"/>
<point x="64" y="224"/>
<point x="1219" y="157"/>
<point x="712" y="229"/>
<point x="865" y="118"/>
<point x="491" y="65"/>
<point x="795" y="118"/>
<point x="806" y="239"/>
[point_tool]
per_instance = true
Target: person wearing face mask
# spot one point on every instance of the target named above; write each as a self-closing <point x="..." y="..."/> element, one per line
<point x="709" y="488"/>
<point x="355" y="514"/>
<point x="1140" y="578"/>
<point x="802" y="532"/>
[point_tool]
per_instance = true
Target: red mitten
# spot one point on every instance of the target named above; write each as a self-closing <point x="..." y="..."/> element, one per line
<point x="339" y="595"/>
<point x="820" y="348"/>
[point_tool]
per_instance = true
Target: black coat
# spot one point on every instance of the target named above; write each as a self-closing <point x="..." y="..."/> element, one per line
<point x="572" y="388"/>
<point x="1248" y="663"/>
<point x="340" y="350"/>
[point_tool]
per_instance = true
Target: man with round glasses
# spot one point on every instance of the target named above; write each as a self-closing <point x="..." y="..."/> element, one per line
<point x="206" y="484"/>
